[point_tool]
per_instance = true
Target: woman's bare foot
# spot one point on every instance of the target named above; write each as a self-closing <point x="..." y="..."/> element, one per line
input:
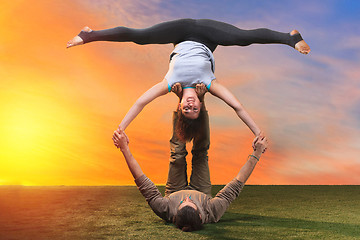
<point x="301" y="46"/>
<point x="77" y="40"/>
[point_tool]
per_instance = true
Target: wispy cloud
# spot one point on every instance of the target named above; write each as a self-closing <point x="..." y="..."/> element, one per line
<point x="307" y="105"/>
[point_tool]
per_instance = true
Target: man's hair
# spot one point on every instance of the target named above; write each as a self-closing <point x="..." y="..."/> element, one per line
<point x="188" y="219"/>
<point x="186" y="129"/>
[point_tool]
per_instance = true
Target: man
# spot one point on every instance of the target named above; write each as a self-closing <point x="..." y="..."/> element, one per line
<point x="189" y="206"/>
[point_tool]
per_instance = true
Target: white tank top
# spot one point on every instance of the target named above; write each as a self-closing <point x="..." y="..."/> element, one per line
<point x="191" y="63"/>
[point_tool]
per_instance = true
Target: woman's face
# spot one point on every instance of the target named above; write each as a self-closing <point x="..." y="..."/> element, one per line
<point x="190" y="106"/>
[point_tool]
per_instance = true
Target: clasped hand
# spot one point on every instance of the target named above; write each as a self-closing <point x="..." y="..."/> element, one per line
<point x="120" y="139"/>
<point x="261" y="139"/>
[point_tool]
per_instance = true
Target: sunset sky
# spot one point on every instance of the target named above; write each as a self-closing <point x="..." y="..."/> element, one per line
<point x="59" y="107"/>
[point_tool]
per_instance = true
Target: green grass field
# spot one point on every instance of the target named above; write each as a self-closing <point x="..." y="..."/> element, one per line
<point x="260" y="212"/>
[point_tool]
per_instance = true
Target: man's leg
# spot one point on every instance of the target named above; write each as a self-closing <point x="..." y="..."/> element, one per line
<point x="200" y="175"/>
<point x="177" y="177"/>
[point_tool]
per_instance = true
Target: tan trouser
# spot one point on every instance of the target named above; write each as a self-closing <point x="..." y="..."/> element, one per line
<point x="200" y="175"/>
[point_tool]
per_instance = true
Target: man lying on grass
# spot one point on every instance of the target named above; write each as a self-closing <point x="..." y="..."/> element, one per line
<point x="188" y="206"/>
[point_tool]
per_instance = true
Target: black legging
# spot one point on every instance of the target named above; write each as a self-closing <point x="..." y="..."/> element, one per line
<point x="209" y="32"/>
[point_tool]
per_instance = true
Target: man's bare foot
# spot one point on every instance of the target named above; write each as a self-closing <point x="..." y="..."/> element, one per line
<point x="301" y="46"/>
<point x="77" y="40"/>
<point x="177" y="89"/>
<point x="200" y="91"/>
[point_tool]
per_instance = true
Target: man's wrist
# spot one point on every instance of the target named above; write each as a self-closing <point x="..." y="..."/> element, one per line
<point x="256" y="154"/>
<point x="124" y="149"/>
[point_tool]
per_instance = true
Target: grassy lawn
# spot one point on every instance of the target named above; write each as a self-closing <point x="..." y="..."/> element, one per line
<point x="260" y="212"/>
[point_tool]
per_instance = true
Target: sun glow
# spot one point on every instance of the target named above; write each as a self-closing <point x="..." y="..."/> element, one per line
<point x="22" y="128"/>
<point x="59" y="107"/>
<point x="33" y="128"/>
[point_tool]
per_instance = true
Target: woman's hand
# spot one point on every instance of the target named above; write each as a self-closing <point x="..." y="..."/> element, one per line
<point x="261" y="145"/>
<point x="259" y="137"/>
<point x="120" y="139"/>
<point x="200" y="91"/>
<point x="120" y="129"/>
<point x="177" y="89"/>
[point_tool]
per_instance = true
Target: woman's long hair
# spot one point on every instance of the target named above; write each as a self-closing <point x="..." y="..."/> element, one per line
<point x="186" y="129"/>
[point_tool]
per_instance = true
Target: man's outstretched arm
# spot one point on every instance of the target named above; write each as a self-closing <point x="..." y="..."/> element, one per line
<point x="147" y="188"/>
<point x="231" y="191"/>
<point x="250" y="164"/>
<point x="120" y="140"/>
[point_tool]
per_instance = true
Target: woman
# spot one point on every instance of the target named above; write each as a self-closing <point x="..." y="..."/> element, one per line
<point x="192" y="61"/>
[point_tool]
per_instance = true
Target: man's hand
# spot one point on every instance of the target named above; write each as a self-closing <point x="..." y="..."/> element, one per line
<point x="121" y="130"/>
<point x="245" y="172"/>
<point x="200" y="91"/>
<point x="177" y="89"/>
<point x="120" y="139"/>
<point x="259" y="136"/>
<point x="261" y="146"/>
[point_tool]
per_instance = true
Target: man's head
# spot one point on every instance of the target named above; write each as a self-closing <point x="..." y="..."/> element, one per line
<point x="188" y="216"/>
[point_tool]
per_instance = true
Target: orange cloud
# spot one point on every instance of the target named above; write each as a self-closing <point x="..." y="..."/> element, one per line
<point x="60" y="106"/>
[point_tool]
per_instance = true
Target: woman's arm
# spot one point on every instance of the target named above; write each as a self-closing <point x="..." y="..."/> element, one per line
<point x="224" y="94"/>
<point x="156" y="91"/>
